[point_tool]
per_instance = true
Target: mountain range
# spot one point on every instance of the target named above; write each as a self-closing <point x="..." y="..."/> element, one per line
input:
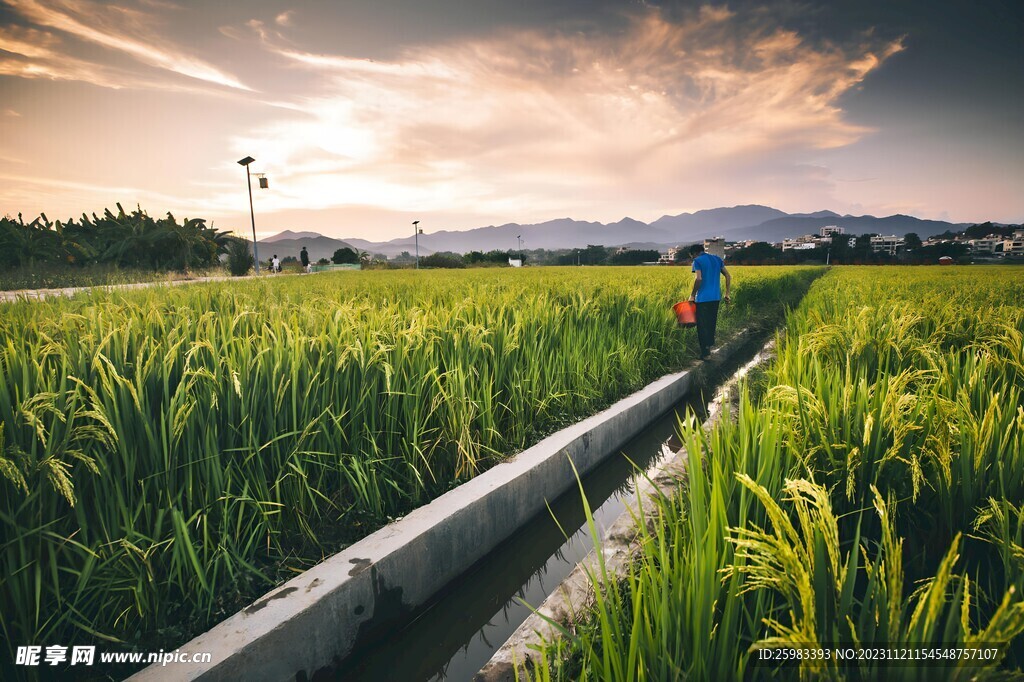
<point x="737" y="223"/>
<point x="290" y="243"/>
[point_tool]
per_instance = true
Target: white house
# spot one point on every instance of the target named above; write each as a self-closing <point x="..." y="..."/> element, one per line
<point x="668" y="258"/>
<point x="715" y="246"/>
<point x="1014" y="246"/>
<point x="805" y="242"/>
<point x="799" y="243"/>
<point x="986" y="245"/>
<point x="888" y="244"/>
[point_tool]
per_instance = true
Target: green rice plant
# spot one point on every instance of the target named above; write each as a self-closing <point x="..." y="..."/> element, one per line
<point x="682" y="620"/>
<point x="870" y="496"/>
<point x="170" y="453"/>
<point x="1001" y="523"/>
<point x="803" y="564"/>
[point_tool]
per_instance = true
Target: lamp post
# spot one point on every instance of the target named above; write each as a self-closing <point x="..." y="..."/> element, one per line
<point x="520" y="238"/>
<point x="252" y="214"/>
<point x="416" y="233"/>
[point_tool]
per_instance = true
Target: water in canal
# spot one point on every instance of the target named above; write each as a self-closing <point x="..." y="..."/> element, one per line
<point x="458" y="632"/>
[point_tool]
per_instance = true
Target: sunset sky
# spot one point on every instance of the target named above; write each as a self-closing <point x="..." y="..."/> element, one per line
<point x="366" y="115"/>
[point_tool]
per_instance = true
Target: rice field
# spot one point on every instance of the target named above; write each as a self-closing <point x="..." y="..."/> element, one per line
<point x="168" y="454"/>
<point x="869" y="494"/>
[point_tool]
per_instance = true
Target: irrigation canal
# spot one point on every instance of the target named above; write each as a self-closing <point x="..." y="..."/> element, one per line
<point x="457" y="633"/>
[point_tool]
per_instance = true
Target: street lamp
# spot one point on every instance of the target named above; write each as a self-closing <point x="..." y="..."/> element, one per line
<point x="520" y="238"/>
<point x="416" y="233"/>
<point x="252" y="214"/>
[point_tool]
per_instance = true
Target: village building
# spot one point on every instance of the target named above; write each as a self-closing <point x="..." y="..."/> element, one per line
<point x="715" y="246"/>
<point x="1014" y="246"/>
<point x="887" y="244"/>
<point x="989" y="244"/>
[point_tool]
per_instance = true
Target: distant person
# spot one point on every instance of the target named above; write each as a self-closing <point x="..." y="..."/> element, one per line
<point x="304" y="259"/>
<point x="275" y="264"/>
<point x="707" y="294"/>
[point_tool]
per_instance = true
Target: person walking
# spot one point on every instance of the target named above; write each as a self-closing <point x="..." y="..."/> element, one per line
<point x="707" y="293"/>
<point x="275" y="264"/>
<point x="304" y="259"/>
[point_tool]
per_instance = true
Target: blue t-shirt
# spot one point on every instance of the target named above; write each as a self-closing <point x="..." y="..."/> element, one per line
<point x="710" y="272"/>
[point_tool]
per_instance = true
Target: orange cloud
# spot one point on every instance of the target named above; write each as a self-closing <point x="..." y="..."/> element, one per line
<point x="542" y="120"/>
<point x="116" y="28"/>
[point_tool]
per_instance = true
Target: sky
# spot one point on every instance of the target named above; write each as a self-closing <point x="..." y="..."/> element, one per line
<point x="368" y="114"/>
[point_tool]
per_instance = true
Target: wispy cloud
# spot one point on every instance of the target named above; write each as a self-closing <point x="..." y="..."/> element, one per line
<point x="34" y="53"/>
<point x="122" y="29"/>
<point x="38" y="54"/>
<point x="543" y="120"/>
<point x="27" y="42"/>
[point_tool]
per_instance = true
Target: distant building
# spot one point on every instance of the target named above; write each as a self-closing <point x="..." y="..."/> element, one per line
<point x="799" y="246"/>
<point x="1014" y="246"/>
<point x="805" y="242"/>
<point x="986" y="245"/>
<point x="887" y="244"/>
<point x="715" y="246"/>
<point x="515" y="262"/>
<point x="668" y="258"/>
<point x="829" y="230"/>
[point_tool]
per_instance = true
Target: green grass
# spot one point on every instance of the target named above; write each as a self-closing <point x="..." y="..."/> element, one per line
<point x="169" y="453"/>
<point x="872" y="496"/>
<point x="49" y="276"/>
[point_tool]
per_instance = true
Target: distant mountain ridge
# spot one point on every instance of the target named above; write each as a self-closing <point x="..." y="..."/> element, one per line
<point x="717" y="219"/>
<point x="736" y="223"/>
<point x="288" y="234"/>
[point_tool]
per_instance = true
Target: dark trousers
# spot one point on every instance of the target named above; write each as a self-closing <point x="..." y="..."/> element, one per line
<point x="707" y="319"/>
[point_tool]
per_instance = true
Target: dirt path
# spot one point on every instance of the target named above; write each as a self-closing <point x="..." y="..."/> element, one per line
<point x="38" y="294"/>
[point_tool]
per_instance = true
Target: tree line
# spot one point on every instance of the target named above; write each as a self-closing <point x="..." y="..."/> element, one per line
<point x="593" y="254"/>
<point x="121" y="239"/>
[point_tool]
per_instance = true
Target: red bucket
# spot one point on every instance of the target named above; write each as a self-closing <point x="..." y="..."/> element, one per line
<point x="686" y="313"/>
